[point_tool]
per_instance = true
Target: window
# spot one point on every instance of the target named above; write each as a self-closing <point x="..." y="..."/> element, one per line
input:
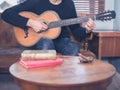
<point x="89" y="6"/>
<point x="20" y="1"/>
<point x="4" y="4"/>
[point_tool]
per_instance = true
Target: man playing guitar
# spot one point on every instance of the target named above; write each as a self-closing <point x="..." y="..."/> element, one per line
<point x="64" y="9"/>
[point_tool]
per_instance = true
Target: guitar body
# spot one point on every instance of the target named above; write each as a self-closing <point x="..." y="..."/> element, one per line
<point x="54" y="23"/>
<point x="33" y="37"/>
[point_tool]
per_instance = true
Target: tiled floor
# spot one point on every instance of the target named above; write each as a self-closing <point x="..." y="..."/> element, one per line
<point x="7" y="82"/>
<point x="114" y="61"/>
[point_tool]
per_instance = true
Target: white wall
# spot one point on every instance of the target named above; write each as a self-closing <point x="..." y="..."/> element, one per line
<point x="117" y="20"/>
<point x="109" y="5"/>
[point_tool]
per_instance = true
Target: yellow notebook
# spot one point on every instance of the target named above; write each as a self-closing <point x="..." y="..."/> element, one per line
<point x="38" y="55"/>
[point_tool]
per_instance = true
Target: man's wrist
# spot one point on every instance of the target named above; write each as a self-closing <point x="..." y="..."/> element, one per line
<point x="29" y="22"/>
<point x="88" y="31"/>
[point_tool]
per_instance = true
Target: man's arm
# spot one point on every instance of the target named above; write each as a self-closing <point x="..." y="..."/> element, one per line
<point x="11" y="15"/>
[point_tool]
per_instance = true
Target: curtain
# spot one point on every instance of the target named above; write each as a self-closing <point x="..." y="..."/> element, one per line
<point x="89" y="6"/>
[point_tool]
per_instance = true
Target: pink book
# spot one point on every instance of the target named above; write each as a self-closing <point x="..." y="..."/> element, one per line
<point x="40" y="63"/>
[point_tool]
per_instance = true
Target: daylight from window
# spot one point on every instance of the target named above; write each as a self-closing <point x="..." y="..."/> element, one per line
<point x="4" y="4"/>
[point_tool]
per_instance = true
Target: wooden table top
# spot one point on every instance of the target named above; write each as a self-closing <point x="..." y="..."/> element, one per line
<point x="70" y="73"/>
<point x="106" y="33"/>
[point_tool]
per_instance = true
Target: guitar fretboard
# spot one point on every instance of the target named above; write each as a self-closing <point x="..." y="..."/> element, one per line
<point x="69" y="22"/>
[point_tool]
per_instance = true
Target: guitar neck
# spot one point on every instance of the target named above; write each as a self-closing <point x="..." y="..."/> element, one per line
<point x="67" y="22"/>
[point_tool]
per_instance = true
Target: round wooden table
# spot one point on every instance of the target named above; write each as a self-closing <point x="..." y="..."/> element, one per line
<point x="70" y="75"/>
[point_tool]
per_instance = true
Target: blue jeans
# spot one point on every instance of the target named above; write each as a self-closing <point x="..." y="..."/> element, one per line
<point x="65" y="46"/>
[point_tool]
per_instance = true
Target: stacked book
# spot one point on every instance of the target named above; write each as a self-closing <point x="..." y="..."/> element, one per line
<point x="38" y="58"/>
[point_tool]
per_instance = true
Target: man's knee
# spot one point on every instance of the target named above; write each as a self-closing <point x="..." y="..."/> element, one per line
<point x="71" y="49"/>
<point x="45" y="44"/>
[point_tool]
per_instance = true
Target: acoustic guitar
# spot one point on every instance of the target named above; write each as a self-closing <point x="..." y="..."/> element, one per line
<point x="54" y="23"/>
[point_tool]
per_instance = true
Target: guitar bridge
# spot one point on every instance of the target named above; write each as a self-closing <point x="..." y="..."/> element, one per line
<point x="26" y="33"/>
